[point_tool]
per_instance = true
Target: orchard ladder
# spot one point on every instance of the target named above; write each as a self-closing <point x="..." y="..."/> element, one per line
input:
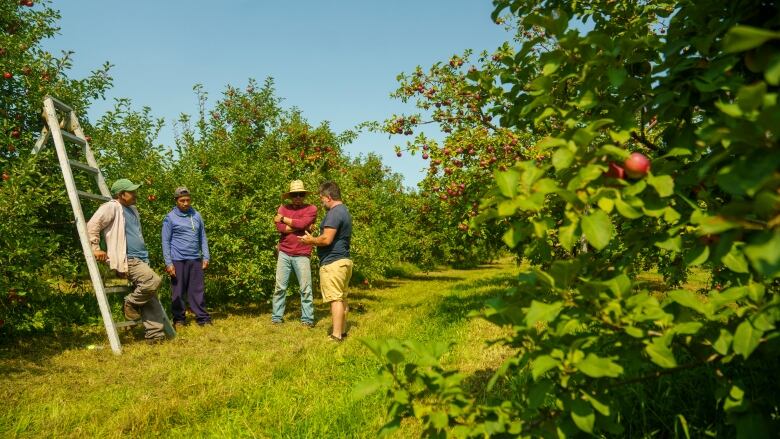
<point x="69" y="130"/>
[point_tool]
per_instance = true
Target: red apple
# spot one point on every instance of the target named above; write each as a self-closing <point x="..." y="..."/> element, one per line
<point x="637" y="165"/>
<point x="8" y="75"/>
<point x="398" y="154"/>
<point x="6" y="177"/>
<point x="425" y="156"/>
<point x="365" y="281"/>
<point x="151" y="197"/>
<point x="15" y="134"/>
<point x="616" y="171"/>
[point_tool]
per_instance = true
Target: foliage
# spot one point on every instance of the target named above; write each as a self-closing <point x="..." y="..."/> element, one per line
<point x="38" y="247"/>
<point x="692" y="86"/>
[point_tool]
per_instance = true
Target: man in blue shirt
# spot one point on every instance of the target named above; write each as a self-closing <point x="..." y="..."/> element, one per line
<point x="333" y="249"/>
<point x="186" y="253"/>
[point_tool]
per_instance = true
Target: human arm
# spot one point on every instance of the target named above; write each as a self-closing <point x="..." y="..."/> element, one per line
<point x="166" y="234"/>
<point x="100" y="219"/>
<point x="281" y="227"/>
<point x="324" y="240"/>
<point x="204" y="244"/>
<point x="304" y="222"/>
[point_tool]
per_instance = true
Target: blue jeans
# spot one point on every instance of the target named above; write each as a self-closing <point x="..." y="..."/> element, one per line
<point x="302" y="267"/>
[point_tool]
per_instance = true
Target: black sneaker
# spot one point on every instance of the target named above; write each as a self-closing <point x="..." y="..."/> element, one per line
<point x="335" y="339"/>
<point x="308" y="325"/>
<point x="131" y="311"/>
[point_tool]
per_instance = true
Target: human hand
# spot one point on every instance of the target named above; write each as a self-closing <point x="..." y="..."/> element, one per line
<point x="171" y="269"/>
<point x="306" y="238"/>
<point x="278" y="218"/>
<point x="205" y="264"/>
<point x="100" y="255"/>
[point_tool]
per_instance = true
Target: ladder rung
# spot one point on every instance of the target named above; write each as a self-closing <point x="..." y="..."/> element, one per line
<point x="117" y="289"/>
<point x="72" y="138"/>
<point x="58" y="104"/>
<point x="84" y="167"/>
<point x="128" y="323"/>
<point x="93" y="196"/>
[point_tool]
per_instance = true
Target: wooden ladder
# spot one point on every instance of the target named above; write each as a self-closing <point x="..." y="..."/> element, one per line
<point x="69" y="130"/>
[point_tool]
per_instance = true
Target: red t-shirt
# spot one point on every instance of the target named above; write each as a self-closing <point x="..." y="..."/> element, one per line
<point x="302" y="218"/>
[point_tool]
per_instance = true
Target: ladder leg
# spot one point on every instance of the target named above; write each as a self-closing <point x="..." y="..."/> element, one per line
<point x="81" y="226"/>
<point x="167" y="327"/>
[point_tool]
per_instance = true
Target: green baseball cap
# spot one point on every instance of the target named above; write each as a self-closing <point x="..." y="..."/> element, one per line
<point x="123" y="185"/>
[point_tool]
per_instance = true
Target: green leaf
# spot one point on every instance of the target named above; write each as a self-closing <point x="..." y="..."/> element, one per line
<point x="746" y="339"/>
<point x="756" y="291"/>
<point x="763" y="251"/>
<point x="663" y="184"/>
<point x="697" y="255"/>
<point x="507" y="182"/>
<point x="597" y="367"/>
<point x="626" y="209"/>
<point x="513" y="235"/>
<point x="395" y="356"/>
<point x="740" y="38"/>
<point x="735" y="260"/>
<point x="542" y="364"/>
<point x="568" y="236"/>
<point x="439" y="420"/>
<point x="687" y="328"/>
<point x="772" y="72"/>
<point x="606" y="204"/>
<point x="562" y="158"/>
<point x="598" y="229"/>
<point x="660" y="354"/>
<point x="673" y="244"/>
<point x="614" y="151"/>
<point x="542" y="312"/>
<point x="538" y="393"/>
<point x="598" y="405"/>
<point x="550" y="68"/>
<point x="723" y="342"/>
<point x="506" y="208"/>
<point x="690" y="300"/>
<point x="583" y="415"/>
<point x="750" y="97"/>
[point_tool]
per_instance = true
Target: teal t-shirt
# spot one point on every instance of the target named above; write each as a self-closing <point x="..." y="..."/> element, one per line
<point x="136" y="247"/>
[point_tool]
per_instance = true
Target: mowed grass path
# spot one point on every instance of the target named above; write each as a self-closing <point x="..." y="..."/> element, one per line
<point x="243" y="377"/>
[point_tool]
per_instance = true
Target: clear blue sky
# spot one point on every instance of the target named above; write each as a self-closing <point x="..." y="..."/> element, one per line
<point x="335" y="60"/>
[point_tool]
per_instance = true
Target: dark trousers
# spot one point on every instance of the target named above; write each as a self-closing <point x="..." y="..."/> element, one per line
<point x="189" y="281"/>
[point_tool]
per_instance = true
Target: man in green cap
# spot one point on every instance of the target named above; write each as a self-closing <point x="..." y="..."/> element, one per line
<point x="126" y="253"/>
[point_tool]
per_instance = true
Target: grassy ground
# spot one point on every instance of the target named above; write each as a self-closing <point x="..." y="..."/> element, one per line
<point x="243" y="377"/>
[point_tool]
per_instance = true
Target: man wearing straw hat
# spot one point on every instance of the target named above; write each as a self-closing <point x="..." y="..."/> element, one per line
<point x="292" y="220"/>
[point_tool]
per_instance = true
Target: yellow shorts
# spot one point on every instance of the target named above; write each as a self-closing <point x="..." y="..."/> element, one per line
<point x="334" y="280"/>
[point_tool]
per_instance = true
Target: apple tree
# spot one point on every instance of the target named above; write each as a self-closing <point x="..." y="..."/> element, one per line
<point x="38" y="245"/>
<point x="655" y="130"/>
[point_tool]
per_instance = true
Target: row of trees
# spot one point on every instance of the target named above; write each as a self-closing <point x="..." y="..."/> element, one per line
<point x="237" y="154"/>
<point x="610" y="137"/>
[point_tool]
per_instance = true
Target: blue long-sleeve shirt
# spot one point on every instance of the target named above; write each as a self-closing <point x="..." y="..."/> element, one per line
<point x="184" y="236"/>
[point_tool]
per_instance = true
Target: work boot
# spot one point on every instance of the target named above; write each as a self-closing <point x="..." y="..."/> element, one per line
<point x="131" y="311"/>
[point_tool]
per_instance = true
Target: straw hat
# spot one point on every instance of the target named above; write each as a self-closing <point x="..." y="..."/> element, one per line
<point x="295" y="187"/>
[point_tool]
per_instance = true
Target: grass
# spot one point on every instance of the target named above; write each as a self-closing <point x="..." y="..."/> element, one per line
<point x="243" y="377"/>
